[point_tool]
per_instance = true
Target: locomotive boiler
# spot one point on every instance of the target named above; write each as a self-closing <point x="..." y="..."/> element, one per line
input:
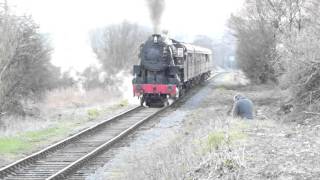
<point x="168" y="68"/>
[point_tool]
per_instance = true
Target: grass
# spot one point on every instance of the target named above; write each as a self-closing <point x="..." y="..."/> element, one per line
<point x="72" y="97"/>
<point x="219" y="138"/>
<point x="214" y="140"/>
<point x="221" y="88"/>
<point x="208" y="145"/>
<point x="93" y="113"/>
<point x="42" y="135"/>
<point x="237" y="135"/>
<point x="10" y="145"/>
<point x="123" y="103"/>
<point x="27" y="141"/>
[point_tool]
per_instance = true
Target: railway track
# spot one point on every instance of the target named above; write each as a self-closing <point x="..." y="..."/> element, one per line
<point x="63" y="158"/>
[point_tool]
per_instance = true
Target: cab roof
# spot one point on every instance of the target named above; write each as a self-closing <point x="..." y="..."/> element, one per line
<point x="196" y="49"/>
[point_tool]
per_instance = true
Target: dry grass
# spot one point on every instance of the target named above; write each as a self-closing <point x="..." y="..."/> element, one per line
<point x="204" y="142"/>
<point x="15" y="124"/>
<point x="68" y="104"/>
<point x="209" y="145"/>
<point x="63" y="112"/>
<point x="73" y="97"/>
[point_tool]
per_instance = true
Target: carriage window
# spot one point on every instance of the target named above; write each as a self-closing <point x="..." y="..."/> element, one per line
<point x="180" y="52"/>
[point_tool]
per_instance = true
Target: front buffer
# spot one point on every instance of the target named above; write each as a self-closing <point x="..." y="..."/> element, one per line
<point x="154" y="94"/>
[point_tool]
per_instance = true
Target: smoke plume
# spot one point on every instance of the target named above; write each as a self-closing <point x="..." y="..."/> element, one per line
<point x="156" y="8"/>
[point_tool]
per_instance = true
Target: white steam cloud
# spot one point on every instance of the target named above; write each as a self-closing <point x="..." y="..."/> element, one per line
<point x="156" y="8"/>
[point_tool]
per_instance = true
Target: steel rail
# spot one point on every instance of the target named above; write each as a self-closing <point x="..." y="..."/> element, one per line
<point x="75" y="165"/>
<point x="10" y="169"/>
<point x="64" y="173"/>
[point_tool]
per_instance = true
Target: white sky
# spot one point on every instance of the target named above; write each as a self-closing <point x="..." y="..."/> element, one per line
<point x="69" y="21"/>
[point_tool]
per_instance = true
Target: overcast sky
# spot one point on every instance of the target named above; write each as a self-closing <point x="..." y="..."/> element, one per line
<point x="69" y="21"/>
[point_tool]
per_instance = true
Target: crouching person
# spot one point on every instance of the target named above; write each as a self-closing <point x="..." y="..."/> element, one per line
<point x="242" y="107"/>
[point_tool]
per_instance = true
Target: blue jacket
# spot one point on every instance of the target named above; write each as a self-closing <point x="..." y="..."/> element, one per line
<point x="243" y="108"/>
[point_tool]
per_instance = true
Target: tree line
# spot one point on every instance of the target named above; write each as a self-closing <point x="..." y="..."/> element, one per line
<point x="25" y="68"/>
<point x="26" y="72"/>
<point x="278" y="41"/>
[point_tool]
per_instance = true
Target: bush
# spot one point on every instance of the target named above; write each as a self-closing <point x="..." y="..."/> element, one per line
<point x="281" y="40"/>
<point x="256" y="46"/>
<point x="299" y="51"/>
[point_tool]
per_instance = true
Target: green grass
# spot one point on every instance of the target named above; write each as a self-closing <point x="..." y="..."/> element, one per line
<point x="42" y="135"/>
<point x="114" y="107"/>
<point x="93" y="113"/>
<point x="221" y="88"/>
<point x="236" y="135"/>
<point x="29" y="140"/>
<point x="216" y="139"/>
<point x="10" y="145"/>
<point x="123" y="103"/>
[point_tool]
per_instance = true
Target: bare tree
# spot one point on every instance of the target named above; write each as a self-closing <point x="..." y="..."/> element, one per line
<point x="92" y="78"/>
<point x="301" y="57"/>
<point x="282" y="36"/>
<point x="25" y="68"/>
<point x="117" y="46"/>
<point x="256" y="48"/>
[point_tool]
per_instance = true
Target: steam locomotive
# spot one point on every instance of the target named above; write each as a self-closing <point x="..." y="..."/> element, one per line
<point x="167" y="69"/>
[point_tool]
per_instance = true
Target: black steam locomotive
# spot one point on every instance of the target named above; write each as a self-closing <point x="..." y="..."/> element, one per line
<point x="168" y="68"/>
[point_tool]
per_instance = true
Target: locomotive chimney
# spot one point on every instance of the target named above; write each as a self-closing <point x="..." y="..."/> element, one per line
<point x="156" y="38"/>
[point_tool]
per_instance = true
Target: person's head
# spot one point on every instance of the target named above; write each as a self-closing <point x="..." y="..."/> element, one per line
<point x="237" y="97"/>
